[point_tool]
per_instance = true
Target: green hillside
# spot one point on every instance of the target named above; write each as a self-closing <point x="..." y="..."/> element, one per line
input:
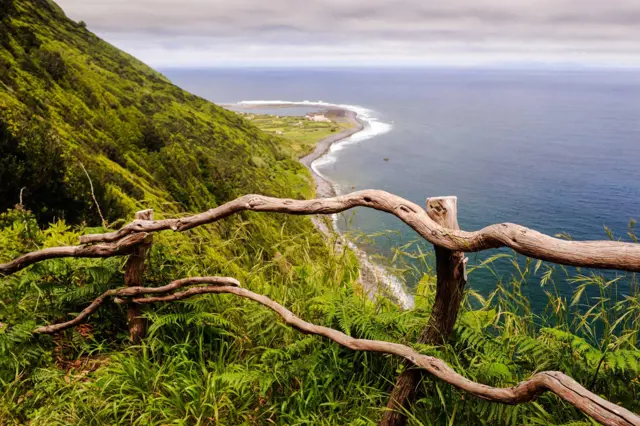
<point x="68" y="99"/>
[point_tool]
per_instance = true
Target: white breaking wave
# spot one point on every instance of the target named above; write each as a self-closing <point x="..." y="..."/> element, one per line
<point x="372" y="127"/>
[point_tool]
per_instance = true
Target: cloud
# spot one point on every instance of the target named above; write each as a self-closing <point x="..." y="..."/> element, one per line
<point x="416" y="31"/>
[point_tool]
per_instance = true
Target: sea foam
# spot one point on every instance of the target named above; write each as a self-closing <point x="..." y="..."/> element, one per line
<point x="372" y="127"/>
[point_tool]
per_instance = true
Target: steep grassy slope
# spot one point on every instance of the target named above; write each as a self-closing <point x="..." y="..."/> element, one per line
<point x="68" y="98"/>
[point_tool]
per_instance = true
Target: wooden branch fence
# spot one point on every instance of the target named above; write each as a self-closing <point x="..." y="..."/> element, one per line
<point x="437" y="224"/>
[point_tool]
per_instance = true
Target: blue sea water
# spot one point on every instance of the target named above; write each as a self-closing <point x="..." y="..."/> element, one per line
<point x="554" y="150"/>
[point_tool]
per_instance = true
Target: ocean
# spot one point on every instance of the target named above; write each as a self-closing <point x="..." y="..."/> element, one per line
<point x="554" y="150"/>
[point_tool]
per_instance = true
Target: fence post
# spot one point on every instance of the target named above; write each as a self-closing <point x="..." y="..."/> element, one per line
<point x="133" y="277"/>
<point x="451" y="274"/>
<point x="451" y="279"/>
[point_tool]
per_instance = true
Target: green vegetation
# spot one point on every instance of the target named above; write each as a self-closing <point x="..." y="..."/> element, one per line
<point x="68" y="98"/>
<point x="301" y="134"/>
<point x="218" y="359"/>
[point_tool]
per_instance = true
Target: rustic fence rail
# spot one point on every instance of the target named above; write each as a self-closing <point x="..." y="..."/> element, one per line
<point x="437" y="226"/>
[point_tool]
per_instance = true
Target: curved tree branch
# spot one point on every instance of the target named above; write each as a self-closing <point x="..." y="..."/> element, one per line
<point x="120" y="247"/>
<point x="133" y="292"/>
<point x="554" y="381"/>
<point x="592" y="254"/>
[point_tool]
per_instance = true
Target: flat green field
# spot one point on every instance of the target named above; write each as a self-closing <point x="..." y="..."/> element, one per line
<point x="301" y="133"/>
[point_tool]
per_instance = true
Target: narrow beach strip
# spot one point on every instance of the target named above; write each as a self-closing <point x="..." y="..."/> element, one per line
<point x="374" y="278"/>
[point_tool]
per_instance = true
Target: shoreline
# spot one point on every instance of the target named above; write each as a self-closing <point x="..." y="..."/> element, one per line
<point x="324" y="187"/>
<point x="374" y="279"/>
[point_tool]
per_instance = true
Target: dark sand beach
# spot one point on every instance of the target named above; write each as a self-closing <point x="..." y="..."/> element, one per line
<point x="374" y="279"/>
<point x="324" y="188"/>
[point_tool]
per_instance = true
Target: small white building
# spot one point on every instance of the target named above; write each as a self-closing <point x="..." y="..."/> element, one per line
<point x="318" y="117"/>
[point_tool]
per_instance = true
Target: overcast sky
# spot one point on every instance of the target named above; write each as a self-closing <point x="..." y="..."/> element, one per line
<point x="197" y="33"/>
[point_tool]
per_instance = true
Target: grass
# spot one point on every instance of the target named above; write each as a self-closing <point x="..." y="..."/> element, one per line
<point x="301" y="134"/>
<point x="69" y="99"/>
<point x="222" y="360"/>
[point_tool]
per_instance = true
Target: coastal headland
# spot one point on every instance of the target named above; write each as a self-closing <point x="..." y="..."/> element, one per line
<point x="345" y="118"/>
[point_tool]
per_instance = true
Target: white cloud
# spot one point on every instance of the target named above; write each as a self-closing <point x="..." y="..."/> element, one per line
<point x="273" y="32"/>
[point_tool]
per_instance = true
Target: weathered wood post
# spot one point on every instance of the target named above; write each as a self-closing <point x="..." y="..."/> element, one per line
<point x="451" y="279"/>
<point x="133" y="277"/>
